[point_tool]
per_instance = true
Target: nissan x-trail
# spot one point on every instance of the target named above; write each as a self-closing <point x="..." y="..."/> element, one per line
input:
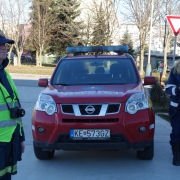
<point x="94" y="101"/>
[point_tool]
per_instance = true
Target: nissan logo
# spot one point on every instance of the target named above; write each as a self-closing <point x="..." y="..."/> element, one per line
<point x="90" y="109"/>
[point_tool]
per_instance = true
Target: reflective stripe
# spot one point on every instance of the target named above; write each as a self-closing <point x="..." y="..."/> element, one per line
<point x="19" y="120"/>
<point x="11" y="122"/>
<point x="173" y="91"/>
<point x="7" y="123"/>
<point x="170" y="85"/>
<point x="16" y="104"/>
<point x="8" y="169"/>
<point x="174" y="104"/>
<point x="4" y="106"/>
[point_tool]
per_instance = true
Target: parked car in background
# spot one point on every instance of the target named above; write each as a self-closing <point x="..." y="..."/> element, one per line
<point x="33" y="59"/>
<point x="94" y="102"/>
<point x="23" y="58"/>
<point x="26" y="58"/>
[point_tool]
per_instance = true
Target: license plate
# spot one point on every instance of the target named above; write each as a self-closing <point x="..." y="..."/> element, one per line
<point x="90" y="134"/>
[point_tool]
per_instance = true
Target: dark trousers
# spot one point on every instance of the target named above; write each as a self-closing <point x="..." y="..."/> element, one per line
<point x="175" y="123"/>
<point x="7" y="177"/>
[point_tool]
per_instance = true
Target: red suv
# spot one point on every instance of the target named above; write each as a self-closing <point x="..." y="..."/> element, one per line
<point x="94" y="101"/>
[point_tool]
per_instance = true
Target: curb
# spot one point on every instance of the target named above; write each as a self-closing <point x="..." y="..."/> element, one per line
<point x="28" y="76"/>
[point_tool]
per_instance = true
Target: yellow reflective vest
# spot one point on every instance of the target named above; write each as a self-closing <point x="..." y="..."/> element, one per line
<point x="7" y="124"/>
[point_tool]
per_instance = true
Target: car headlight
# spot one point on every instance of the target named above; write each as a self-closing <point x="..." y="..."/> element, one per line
<point x="136" y="102"/>
<point x="46" y="103"/>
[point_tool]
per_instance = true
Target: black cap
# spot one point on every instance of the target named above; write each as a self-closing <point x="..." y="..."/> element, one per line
<point x="4" y="40"/>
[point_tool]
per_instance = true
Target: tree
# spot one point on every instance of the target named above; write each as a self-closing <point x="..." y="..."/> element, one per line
<point x="41" y="18"/>
<point x="126" y="40"/>
<point x="138" y="12"/>
<point x="100" y="28"/>
<point x="101" y="22"/>
<point x="66" y="30"/>
<point x="14" y="19"/>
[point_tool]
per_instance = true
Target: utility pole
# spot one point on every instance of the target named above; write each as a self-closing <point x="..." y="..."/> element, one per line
<point x="165" y="32"/>
<point x="148" y="67"/>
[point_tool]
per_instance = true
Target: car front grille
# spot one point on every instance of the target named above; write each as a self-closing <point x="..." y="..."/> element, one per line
<point x="110" y="120"/>
<point x="67" y="109"/>
<point x="114" y="138"/>
<point x="97" y="108"/>
<point x="90" y="109"/>
<point x="112" y="108"/>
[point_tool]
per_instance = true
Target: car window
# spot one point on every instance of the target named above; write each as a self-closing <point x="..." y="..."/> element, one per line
<point x="95" y="71"/>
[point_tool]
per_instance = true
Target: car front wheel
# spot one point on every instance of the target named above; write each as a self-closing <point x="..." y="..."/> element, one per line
<point x="43" y="155"/>
<point x="147" y="153"/>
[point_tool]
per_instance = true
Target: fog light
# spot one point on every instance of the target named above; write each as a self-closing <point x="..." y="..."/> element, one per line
<point x="41" y="129"/>
<point x="142" y="128"/>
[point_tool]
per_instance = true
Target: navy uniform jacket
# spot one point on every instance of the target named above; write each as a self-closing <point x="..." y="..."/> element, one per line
<point x="172" y="88"/>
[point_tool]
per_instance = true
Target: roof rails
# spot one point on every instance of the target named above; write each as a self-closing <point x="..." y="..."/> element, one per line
<point x="120" y="49"/>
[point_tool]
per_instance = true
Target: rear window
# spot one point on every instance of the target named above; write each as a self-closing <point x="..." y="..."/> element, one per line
<point x="95" y="71"/>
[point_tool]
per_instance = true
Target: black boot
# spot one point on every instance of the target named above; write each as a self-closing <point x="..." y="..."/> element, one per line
<point x="176" y="154"/>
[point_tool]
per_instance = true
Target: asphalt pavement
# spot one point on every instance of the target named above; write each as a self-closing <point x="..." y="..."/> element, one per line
<point x="90" y="165"/>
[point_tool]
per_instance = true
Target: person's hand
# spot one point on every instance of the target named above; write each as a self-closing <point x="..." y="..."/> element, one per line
<point x="22" y="147"/>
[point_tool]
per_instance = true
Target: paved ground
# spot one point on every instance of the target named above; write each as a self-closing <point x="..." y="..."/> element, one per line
<point x="28" y="76"/>
<point x="91" y="165"/>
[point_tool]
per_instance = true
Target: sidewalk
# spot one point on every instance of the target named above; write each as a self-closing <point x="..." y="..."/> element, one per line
<point x="29" y="76"/>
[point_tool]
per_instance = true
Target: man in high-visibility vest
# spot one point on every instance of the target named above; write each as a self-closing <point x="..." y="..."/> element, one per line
<point x="11" y="129"/>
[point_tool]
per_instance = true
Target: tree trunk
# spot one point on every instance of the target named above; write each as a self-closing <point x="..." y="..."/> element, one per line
<point x="9" y="54"/>
<point x="165" y="62"/>
<point x="141" y="37"/>
<point x="165" y="54"/>
<point x="37" y="58"/>
<point x="40" y="55"/>
<point x="142" y="61"/>
<point x="19" y="53"/>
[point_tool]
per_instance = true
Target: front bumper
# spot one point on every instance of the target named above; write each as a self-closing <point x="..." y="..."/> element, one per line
<point x="114" y="144"/>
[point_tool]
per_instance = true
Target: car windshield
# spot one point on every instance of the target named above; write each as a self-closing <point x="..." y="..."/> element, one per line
<point x="95" y="71"/>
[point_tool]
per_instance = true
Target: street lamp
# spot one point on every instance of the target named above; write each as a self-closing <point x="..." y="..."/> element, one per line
<point x="148" y="67"/>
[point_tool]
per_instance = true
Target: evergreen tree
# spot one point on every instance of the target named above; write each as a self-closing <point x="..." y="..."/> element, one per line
<point x="54" y="26"/>
<point x="66" y="29"/>
<point x="126" y="40"/>
<point x="100" y="30"/>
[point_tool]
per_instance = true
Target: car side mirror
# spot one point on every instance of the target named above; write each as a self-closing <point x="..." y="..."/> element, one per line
<point x="43" y="82"/>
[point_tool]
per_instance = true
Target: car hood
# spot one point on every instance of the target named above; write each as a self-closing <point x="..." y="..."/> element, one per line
<point x="92" y="93"/>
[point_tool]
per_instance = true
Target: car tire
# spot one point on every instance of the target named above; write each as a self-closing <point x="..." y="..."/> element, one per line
<point x="147" y="153"/>
<point x="43" y="155"/>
